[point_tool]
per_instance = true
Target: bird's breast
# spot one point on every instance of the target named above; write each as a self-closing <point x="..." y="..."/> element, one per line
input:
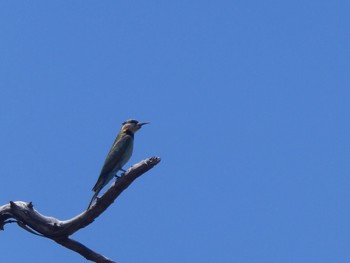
<point x="128" y="153"/>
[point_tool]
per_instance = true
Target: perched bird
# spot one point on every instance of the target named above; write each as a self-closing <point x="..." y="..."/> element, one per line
<point x="118" y="155"/>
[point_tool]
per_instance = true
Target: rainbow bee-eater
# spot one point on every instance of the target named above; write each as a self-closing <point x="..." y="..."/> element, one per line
<point x="118" y="155"/>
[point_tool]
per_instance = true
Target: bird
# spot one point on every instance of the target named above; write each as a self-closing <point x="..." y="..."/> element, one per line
<point x="118" y="155"/>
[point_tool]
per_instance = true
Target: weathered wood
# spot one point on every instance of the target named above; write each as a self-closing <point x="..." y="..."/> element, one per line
<point x="59" y="230"/>
<point x="83" y="250"/>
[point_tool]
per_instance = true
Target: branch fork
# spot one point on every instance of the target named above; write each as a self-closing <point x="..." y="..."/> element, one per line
<point x="24" y="214"/>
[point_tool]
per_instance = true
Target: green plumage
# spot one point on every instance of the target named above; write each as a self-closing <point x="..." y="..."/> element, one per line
<point x="118" y="155"/>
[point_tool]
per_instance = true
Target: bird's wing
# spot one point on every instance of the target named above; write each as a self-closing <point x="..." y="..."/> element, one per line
<point x="117" y="154"/>
<point x="115" y="159"/>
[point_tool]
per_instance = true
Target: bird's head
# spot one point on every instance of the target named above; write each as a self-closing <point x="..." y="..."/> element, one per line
<point x="132" y="126"/>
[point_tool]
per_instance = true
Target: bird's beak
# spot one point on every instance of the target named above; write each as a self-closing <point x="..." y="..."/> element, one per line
<point x="142" y="123"/>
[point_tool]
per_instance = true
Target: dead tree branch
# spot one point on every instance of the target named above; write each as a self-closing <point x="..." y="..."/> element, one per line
<point x="24" y="214"/>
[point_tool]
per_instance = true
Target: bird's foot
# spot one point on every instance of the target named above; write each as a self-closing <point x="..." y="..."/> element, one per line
<point x="122" y="174"/>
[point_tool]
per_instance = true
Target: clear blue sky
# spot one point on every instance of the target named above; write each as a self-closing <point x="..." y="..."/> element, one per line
<point x="249" y="104"/>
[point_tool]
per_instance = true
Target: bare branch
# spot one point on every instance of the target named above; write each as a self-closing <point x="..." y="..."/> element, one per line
<point x="31" y="220"/>
<point x="83" y="250"/>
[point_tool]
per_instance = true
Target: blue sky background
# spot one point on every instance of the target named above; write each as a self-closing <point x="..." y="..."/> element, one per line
<point x="249" y="104"/>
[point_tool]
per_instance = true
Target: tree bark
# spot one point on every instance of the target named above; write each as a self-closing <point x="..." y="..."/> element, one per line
<point x="24" y="214"/>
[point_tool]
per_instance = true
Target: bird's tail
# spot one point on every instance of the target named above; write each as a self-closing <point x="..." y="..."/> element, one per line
<point x="93" y="198"/>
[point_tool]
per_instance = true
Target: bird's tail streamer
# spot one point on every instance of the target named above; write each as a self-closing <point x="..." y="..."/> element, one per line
<point x="92" y="199"/>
